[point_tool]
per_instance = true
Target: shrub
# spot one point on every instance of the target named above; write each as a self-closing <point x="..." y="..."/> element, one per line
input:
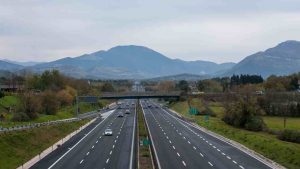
<point x="290" y="135"/>
<point x="30" y="105"/>
<point x="255" y="123"/>
<point x="50" y="103"/>
<point x="20" y="117"/>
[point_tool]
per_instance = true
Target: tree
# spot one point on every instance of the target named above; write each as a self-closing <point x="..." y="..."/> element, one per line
<point x="294" y="84"/>
<point x="107" y="87"/>
<point x="166" y="86"/>
<point x="2" y="94"/>
<point x="65" y="98"/>
<point x="210" y="86"/>
<point x="244" y="114"/>
<point x="183" y="85"/>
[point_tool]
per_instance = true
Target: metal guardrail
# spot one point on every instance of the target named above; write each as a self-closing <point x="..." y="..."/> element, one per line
<point x="36" y="125"/>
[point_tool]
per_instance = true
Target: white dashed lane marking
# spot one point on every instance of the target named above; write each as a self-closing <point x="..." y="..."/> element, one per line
<point x="183" y="163"/>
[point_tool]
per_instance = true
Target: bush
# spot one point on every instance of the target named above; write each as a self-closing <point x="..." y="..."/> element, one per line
<point x="30" y="105"/>
<point x="50" y="103"/>
<point x="20" y="117"/>
<point x="290" y="135"/>
<point x="255" y="123"/>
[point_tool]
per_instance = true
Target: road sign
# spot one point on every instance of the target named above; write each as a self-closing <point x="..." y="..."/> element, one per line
<point x="146" y="142"/>
<point x="193" y="111"/>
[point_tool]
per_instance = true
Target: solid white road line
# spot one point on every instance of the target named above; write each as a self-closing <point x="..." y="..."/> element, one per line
<point x="132" y="143"/>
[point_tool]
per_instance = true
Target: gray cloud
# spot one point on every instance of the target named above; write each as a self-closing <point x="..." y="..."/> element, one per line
<point x="216" y="30"/>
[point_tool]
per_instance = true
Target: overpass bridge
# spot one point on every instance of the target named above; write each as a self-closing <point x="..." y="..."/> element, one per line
<point x="130" y="95"/>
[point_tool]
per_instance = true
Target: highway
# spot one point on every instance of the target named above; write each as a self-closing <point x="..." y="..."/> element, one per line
<point x="91" y="149"/>
<point x="178" y="144"/>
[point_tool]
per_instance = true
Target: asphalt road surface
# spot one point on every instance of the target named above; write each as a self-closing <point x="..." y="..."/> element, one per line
<point x="91" y="149"/>
<point x="180" y="145"/>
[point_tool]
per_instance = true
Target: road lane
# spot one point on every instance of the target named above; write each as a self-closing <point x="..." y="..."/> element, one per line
<point x="197" y="149"/>
<point x="175" y="149"/>
<point x="96" y="150"/>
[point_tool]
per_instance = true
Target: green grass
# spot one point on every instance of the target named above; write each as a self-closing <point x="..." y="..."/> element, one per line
<point x="19" y="147"/>
<point x="276" y="123"/>
<point x="285" y="153"/>
<point x="8" y="101"/>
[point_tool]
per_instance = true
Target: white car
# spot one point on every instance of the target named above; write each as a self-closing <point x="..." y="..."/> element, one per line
<point x="127" y="112"/>
<point x="108" y="132"/>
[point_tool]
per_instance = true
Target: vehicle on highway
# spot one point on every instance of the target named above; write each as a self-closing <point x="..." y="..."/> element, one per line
<point x="120" y="114"/>
<point x="108" y="132"/>
<point x="127" y="112"/>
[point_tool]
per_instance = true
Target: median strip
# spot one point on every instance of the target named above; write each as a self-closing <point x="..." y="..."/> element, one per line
<point x="144" y="153"/>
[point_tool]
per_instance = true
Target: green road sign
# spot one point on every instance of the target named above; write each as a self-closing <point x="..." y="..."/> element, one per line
<point x="193" y="111"/>
<point x="146" y="142"/>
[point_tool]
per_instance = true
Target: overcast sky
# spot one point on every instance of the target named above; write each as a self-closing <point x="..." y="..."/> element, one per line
<point x="213" y="30"/>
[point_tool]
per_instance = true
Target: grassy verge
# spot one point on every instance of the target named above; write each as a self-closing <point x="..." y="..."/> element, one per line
<point x="276" y="123"/>
<point x="63" y="113"/>
<point x="19" y="147"/>
<point x="285" y="153"/>
<point x="145" y="161"/>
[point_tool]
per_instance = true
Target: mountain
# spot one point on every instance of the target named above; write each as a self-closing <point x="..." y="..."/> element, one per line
<point x="9" y="66"/>
<point x="184" y="76"/>
<point x="22" y="63"/>
<point x="128" y="62"/>
<point x="282" y="59"/>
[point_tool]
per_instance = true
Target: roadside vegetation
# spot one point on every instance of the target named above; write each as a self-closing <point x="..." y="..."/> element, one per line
<point x="20" y="146"/>
<point x="46" y="97"/>
<point x="145" y="161"/>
